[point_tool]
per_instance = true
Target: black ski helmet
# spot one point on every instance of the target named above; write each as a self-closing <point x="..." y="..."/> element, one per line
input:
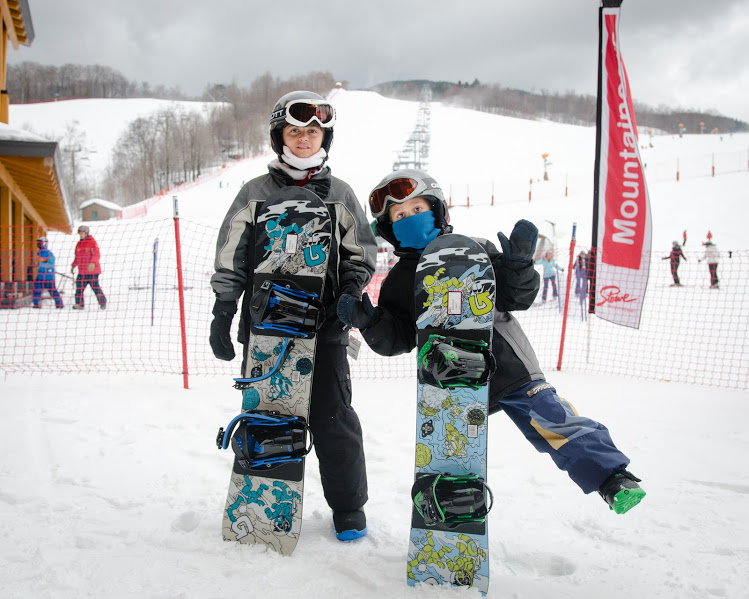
<point x="278" y="119"/>
<point x="415" y="183"/>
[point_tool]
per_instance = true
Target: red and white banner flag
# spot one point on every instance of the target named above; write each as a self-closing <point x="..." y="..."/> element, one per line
<point x="621" y="211"/>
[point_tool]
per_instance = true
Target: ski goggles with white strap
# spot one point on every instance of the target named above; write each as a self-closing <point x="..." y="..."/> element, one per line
<point x="302" y="112"/>
<point x="396" y="191"/>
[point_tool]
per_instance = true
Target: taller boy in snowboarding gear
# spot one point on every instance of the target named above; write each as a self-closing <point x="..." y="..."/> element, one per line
<point x="301" y="132"/>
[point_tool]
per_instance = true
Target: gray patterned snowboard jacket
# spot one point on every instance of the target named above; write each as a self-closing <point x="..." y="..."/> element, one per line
<point x="353" y="249"/>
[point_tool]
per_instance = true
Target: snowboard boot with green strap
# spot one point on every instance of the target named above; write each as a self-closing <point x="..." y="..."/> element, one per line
<point x="621" y="491"/>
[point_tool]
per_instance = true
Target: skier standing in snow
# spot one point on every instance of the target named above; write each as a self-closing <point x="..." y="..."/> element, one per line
<point x="550" y="274"/>
<point x="581" y="275"/>
<point x="711" y="257"/>
<point x="676" y="257"/>
<point x="87" y="260"/>
<point x="411" y="211"/>
<point x="301" y="132"/>
<point x="45" y="275"/>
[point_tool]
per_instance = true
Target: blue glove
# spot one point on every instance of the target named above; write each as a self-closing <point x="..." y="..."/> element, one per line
<point x="522" y="243"/>
<point x="354" y="312"/>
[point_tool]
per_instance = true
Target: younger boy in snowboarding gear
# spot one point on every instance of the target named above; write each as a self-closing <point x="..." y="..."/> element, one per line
<point x="301" y="131"/>
<point x="580" y="446"/>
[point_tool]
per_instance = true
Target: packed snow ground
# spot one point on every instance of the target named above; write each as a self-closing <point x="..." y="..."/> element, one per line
<point x="112" y="485"/>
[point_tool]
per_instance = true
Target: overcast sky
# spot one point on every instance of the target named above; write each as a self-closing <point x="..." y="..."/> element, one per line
<point x="683" y="54"/>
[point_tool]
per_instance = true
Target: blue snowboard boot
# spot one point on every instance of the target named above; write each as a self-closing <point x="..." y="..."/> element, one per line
<point x="350" y="525"/>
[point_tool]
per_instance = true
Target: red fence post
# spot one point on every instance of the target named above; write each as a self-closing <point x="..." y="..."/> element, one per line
<point x="567" y="297"/>
<point x="181" y="293"/>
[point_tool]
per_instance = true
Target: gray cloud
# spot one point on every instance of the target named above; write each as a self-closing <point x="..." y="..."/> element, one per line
<point x="680" y="54"/>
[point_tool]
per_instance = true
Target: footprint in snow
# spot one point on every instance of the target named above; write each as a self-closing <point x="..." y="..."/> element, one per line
<point x="186" y="522"/>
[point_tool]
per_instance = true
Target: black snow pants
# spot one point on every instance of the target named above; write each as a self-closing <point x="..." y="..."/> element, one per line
<point x="337" y="432"/>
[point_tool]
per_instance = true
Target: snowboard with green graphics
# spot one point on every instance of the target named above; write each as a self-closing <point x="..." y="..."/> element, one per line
<point x="454" y="295"/>
<point x="270" y="437"/>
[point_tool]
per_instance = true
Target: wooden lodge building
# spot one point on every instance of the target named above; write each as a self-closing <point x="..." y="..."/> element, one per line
<point x="32" y="196"/>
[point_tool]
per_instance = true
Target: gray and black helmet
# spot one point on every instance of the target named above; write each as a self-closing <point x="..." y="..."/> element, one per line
<point x="402" y="185"/>
<point x="301" y="108"/>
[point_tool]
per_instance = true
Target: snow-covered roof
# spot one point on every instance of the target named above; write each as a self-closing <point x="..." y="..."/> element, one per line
<point x="102" y="203"/>
<point x="8" y="133"/>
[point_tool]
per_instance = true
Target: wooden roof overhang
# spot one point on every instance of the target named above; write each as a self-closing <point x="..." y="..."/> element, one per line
<point x="17" y="17"/>
<point x="29" y="169"/>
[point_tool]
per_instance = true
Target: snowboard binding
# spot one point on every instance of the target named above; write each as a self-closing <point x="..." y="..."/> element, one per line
<point x="264" y="439"/>
<point x="444" y="499"/>
<point x="449" y="363"/>
<point x="282" y="308"/>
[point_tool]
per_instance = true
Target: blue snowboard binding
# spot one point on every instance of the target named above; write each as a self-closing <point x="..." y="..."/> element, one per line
<point x="286" y="310"/>
<point x="264" y="440"/>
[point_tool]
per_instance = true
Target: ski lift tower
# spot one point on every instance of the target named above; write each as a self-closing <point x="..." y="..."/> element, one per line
<point x="415" y="152"/>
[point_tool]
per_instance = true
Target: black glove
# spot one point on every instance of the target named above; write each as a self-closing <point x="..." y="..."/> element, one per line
<point x="359" y="313"/>
<point x="522" y="243"/>
<point x="220" y="338"/>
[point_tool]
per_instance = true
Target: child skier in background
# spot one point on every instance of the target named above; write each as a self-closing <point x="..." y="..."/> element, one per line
<point x="45" y="275"/>
<point x="411" y="211"/>
<point x="550" y="274"/>
<point x="581" y="275"/>
<point x="711" y="256"/>
<point x="676" y="256"/>
<point x="301" y="131"/>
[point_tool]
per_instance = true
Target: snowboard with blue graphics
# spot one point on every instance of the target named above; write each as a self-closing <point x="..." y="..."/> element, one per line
<point x="454" y="295"/>
<point x="292" y="245"/>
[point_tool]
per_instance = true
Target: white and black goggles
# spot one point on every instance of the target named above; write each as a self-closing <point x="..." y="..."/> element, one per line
<point x="303" y="112"/>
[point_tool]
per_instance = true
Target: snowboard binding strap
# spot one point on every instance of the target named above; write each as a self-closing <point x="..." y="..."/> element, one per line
<point x="282" y="308"/>
<point x="448" y="363"/>
<point x="451" y="500"/>
<point x="264" y="439"/>
<point x="288" y="345"/>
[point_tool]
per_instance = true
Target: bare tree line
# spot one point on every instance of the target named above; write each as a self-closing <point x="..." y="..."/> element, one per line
<point x="156" y="152"/>
<point x="33" y="82"/>
<point x="169" y="147"/>
<point x="175" y="146"/>
<point x="568" y="107"/>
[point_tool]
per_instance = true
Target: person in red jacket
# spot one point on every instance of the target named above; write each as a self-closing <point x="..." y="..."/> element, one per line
<point x="89" y="269"/>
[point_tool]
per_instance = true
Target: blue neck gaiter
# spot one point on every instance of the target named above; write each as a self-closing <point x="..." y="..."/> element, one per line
<point x="416" y="231"/>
